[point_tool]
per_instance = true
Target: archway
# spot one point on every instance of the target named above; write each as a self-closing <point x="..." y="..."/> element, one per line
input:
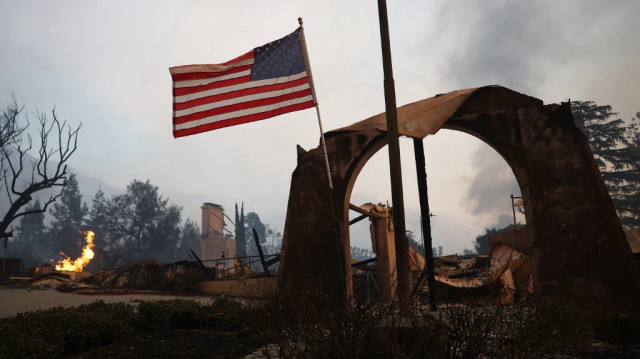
<point x="469" y="186"/>
<point x="567" y="205"/>
<point x="469" y="193"/>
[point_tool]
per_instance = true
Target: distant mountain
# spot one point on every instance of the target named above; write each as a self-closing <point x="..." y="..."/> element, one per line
<point x="89" y="186"/>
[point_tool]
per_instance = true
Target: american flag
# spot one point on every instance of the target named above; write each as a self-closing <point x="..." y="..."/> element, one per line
<point x="267" y="81"/>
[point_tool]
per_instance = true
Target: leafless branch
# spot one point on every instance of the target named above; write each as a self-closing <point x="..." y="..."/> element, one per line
<point x="10" y="129"/>
<point x="47" y="171"/>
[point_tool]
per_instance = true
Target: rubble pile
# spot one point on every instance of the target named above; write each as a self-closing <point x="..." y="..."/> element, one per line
<point x="144" y="274"/>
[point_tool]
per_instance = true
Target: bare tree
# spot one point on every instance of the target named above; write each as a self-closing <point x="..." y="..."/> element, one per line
<point x="10" y="130"/>
<point x="58" y="141"/>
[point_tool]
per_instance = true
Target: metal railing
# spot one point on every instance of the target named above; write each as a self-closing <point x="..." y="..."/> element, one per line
<point x="229" y="266"/>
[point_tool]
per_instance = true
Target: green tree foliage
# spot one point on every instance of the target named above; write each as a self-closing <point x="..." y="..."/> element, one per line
<point x="189" y="239"/>
<point x="437" y="252"/>
<point x="99" y="223"/>
<point x="241" y="241"/>
<point x="252" y="220"/>
<point x="414" y="244"/>
<point x="361" y="254"/>
<point x="137" y="222"/>
<point x="615" y="146"/>
<point x="31" y="241"/>
<point x="270" y="239"/>
<point x="631" y="216"/>
<point x="68" y="217"/>
<point x="141" y="224"/>
<point x="165" y="234"/>
<point x="481" y="244"/>
<point x="273" y="242"/>
<point x="70" y="211"/>
<point x="99" y="213"/>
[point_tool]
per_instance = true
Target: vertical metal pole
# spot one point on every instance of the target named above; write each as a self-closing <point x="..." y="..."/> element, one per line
<point x="401" y="244"/>
<point x="4" y="260"/>
<point x="367" y="276"/>
<point x="421" y="172"/>
<point x="6" y="243"/>
<point x="513" y="208"/>
<point x="515" y="228"/>
<point x="307" y="63"/>
<point x="343" y="252"/>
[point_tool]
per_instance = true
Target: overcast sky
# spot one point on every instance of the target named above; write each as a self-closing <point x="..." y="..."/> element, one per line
<point x="105" y="64"/>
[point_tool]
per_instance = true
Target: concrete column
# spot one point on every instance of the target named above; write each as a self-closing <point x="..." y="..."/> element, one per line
<point x="384" y="245"/>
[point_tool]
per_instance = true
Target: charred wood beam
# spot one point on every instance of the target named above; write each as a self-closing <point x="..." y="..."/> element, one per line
<point x="421" y="172"/>
<point x="355" y="208"/>
<point x="259" y="247"/>
<point x="364" y="262"/>
<point x="272" y="261"/>
<point x="201" y="265"/>
<point x="358" y="219"/>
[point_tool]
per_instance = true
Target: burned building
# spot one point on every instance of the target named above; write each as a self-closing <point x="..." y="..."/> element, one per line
<point x="215" y="246"/>
<point x="574" y="226"/>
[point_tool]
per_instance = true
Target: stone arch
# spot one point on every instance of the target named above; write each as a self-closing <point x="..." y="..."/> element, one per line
<point x="576" y="230"/>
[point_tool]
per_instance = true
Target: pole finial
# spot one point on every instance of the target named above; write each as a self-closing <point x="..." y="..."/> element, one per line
<point x="300" y="21"/>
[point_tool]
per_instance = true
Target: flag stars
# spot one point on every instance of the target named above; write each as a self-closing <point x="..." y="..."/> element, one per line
<point x="278" y="58"/>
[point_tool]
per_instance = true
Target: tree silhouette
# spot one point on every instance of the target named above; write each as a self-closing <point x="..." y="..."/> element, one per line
<point x="68" y="216"/>
<point x="252" y="220"/>
<point x="241" y="241"/>
<point x="22" y="178"/>
<point x="143" y="225"/>
<point x="32" y="242"/>
<point x="189" y="239"/>
<point x="616" y="151"/>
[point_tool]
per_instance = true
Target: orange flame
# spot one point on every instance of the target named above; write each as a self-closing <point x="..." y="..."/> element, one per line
<point x="67" y="264"/>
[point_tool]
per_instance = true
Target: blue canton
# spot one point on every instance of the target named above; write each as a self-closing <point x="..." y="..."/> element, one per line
<point x="278" y="58"/>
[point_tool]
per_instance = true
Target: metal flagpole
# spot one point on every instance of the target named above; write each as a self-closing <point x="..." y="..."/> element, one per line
<point x="339" y="246"/>
<point x="315" y="99"/>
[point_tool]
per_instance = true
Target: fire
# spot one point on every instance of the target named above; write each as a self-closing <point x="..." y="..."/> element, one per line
<point x="67" y="264"/>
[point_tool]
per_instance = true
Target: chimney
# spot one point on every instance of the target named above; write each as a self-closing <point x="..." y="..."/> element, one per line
<point x="212" y="220"/>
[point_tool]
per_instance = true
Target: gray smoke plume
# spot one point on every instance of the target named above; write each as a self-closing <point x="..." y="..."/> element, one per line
<point x="492" y="185"/>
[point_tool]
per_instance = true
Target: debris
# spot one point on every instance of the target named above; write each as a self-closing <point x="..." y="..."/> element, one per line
<point x="564" y="194"/>
<point x="51" y="279"/>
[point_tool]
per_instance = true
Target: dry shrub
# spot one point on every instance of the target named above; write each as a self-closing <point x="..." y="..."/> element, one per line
<point x="521" y="330"/>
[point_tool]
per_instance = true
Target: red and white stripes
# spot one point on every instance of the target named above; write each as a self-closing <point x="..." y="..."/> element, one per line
<point x="208" y="97"/>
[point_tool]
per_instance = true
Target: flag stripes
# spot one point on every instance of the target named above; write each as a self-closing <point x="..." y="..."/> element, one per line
<point x="208" y="97"/>
<point x="240" y="120"/>
<point x="200" y="79"/>
<point x="215" y="102"/>
<point x="238" y="108"/>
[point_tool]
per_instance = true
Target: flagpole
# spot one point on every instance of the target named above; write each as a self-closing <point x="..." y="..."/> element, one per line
<point x="346" y="275"/>
<point x="315" y="100"/>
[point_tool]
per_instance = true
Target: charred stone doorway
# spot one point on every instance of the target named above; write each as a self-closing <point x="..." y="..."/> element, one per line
<point x="579" y="244"/>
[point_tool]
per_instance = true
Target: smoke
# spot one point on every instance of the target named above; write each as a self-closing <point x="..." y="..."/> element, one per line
<point x="537" y="47"/>
<point x="493" y="43"/>
<point x="551" y="50"/>
<point x="491" y="186"/>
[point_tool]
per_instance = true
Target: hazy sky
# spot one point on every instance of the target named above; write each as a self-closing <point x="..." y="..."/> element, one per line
<point x="106" y="63"/>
